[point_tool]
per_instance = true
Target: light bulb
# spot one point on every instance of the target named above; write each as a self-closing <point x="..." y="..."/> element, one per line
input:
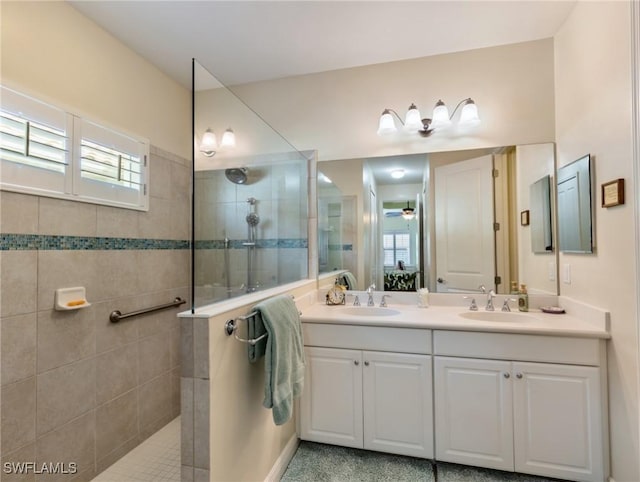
<point x="209" y="143"/>
<point x="228" y="139"/>
<point x="469" y="114"/>
<point x="413" y="120"/>
<point x="440" y="116"/>
<point x="386" y="125"/>
<point x="397" y="173"/>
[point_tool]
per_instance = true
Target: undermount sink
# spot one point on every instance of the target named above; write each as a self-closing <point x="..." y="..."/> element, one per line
<point x="502" y="316"/>
<point x="369" y="311"/>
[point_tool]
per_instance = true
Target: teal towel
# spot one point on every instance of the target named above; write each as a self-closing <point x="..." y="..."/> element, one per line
<point x="352" y="284"/>
<point x="255" y="329"/>
<point x="284" y="362"/>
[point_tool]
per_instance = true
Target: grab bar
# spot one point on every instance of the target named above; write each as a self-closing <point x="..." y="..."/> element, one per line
<point x="231" y="326"/>
<point x="117" y="316"/>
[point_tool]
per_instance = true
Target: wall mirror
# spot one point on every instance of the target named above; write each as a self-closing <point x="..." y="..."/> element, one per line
<point x="465" y="231"/>
<point x="250" y="216"/>
<point x="336" y="227"/>
<point x="575" y="206"/>
<point x="540" y="216"/>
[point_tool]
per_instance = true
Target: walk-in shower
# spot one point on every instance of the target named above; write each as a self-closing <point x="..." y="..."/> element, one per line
<point x="250" y="203"/>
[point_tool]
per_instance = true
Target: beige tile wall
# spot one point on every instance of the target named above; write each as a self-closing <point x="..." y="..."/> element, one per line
<point x="75" y="387"/>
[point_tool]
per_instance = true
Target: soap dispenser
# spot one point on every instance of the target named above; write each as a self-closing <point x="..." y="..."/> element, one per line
<point x="523" y="298"/>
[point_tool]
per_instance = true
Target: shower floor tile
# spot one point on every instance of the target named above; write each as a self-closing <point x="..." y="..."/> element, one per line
<point x="156" y="459"/>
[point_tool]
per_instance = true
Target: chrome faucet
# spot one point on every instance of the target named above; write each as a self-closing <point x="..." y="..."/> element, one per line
<point x="505" y="305"/>
<point x="490" y="296"/>
<point x="370" y="294"/>
<point x="383" y="301"/>
<point x="473" y="306"/>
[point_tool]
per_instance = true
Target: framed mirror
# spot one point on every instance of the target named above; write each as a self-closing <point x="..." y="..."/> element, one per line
<point x="465" y="240"/>
<point x="575" y="200"/>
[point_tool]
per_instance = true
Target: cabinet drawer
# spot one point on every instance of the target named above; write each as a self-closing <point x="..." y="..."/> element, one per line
<point x="378" y="338"/>
<point x="506" y="346"/>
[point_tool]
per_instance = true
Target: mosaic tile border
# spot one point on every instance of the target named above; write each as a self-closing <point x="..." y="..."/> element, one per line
<point x="341" y="247"/>
<point x="46" y="242"/>
<point x="299" y="243"/>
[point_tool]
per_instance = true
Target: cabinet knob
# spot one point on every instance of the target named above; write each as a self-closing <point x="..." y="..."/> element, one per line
<point x="356" y="362"/>
<point x="366" y="363"/>
<point x="518" y="375"/>
<point x="506" y="375"/>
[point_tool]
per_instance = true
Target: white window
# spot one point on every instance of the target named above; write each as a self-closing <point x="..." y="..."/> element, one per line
<point x="50" y="152"/>
<point x="396" y="248"/>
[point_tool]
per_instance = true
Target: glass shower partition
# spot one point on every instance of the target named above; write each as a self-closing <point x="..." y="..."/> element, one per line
<point x="250" y="200"/>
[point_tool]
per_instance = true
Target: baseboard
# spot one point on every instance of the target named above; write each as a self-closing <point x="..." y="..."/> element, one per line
<point x="281" y="464"/>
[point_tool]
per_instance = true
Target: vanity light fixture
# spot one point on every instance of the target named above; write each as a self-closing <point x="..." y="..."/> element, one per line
<point x="408" y="213"/>
<point x="209" y="143"/>
<point x="413" y="122"/>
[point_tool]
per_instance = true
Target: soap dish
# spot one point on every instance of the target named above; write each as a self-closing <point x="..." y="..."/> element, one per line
<point x="554" y="310"/>
<point x="71" y="299"/>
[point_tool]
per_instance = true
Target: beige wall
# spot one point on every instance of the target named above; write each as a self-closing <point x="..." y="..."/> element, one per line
<point x="593" y="115"/>
<point x="337" y="112"/>
<point x="51" y="51"/>
<point x="101" y="388"/>
<point x="245" y="442"/>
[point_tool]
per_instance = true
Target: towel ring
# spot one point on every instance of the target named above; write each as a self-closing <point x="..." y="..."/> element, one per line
<point x="231" y="326"/>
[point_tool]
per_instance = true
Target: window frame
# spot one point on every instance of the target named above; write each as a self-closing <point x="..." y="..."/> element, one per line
<point x="71" y="185"/>
<point x="394" y="249"/>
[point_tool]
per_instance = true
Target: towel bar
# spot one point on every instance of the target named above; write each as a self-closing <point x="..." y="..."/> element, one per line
<point x="231" y="326"/>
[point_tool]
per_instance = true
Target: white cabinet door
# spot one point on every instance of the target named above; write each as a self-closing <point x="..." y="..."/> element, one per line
<point x="557" y="421"/>
<point x="473" y="412"/>
<point x="397" y="393"/>
<point x="331" y="404"/>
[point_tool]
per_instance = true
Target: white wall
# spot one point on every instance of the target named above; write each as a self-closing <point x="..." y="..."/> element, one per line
<point x="337" y="112"/>
<point x="51" y="51"/>
<point x="593" y="115"/>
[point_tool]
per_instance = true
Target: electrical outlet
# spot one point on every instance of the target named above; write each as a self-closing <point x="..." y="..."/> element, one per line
<point x="552" y="271"/>
<point x="566" y="278"/>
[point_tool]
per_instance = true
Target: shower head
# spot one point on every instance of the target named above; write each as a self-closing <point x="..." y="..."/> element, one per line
<point x="237" y="175"/>
<point x="252" y="219"/>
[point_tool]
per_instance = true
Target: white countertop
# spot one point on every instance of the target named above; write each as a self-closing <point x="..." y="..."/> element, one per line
<point x="448" y="318"/>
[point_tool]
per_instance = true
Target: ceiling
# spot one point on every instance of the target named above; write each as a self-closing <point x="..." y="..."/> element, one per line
<point x="248" y="41"/>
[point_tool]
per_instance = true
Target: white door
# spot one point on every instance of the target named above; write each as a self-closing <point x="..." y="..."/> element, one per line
<point x="331" y="404"/>
<point x="473" y="412"/>
<point x="557" y="425"/>
<point x="569" y="200"/>
<point x="397" y="393"/>
<point x="465" y="249"/>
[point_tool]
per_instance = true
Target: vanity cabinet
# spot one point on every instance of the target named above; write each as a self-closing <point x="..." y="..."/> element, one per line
<point x="529" y="416"/>
<point x="376" y="400"/>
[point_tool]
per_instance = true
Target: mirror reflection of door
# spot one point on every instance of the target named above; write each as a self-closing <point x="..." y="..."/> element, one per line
<point x="465" y="255"/>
